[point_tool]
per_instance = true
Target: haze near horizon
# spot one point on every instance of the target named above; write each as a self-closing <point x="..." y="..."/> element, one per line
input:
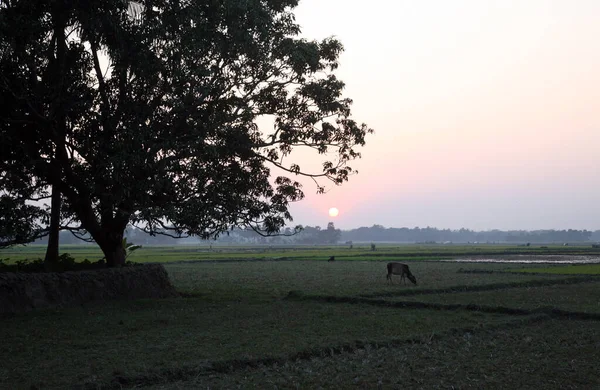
<point x="486" y="114"/>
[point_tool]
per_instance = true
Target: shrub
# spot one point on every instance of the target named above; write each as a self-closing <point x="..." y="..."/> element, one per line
<point x="65" y="262"/>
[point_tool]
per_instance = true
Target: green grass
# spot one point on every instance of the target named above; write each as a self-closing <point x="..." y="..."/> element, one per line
<point x="303" y="252"/>
<point x="582" y="297"/>
<point x="550" y="355"/>
<point x="272" y="280"/>
<point x="94" y="343"/>
<point x="575" y="269"/>
<point x="237" y="313"/>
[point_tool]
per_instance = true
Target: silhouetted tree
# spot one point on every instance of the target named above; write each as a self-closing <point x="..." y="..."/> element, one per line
<point x="162" y="132"/>
<point x="51" y="256"/>
<point x="433" y="235"/>
<point x="19" y="222"/>
<point x="331" y="235"/>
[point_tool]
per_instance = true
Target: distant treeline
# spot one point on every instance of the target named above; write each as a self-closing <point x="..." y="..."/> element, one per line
<point x="375" y="233"/>
<point x="429" y="234"/>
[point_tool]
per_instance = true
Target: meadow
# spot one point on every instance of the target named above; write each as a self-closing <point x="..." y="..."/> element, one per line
<point x="309" y="323"/>
<point x="387" y="252"/>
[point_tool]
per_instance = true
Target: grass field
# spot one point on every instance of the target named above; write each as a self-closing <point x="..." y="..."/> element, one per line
<point x="272" y="280"/>
<point x="581" y="297"/>
<point x="310" y="324"/>
<point x="526" y="357"/>
<point x="579" y="269"/>
<point x="388" y="252"/>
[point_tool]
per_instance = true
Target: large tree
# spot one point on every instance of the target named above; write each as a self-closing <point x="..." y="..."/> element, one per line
<point x="151" y="118"/>
<point x="21" y="219"/>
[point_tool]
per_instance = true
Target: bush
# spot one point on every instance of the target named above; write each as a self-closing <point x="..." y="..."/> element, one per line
<point x="65" y="262"/>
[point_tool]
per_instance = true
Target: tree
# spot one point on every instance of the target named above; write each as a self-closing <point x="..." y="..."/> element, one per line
<point x="52" y="215"/>
<point x="51" y="256"/>
<point x="331" y="235"/>
<point x="19" y="222"/>
<point x="151" y="119"/>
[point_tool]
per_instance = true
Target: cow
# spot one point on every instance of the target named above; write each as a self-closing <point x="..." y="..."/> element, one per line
<point x="332" y="258"/>
<point x="402" y="270"/>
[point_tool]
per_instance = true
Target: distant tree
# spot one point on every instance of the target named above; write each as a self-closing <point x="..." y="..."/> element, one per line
<point x="331" y="235"/>
<point x="309" y="235"/>
<point x="151" y="119"/>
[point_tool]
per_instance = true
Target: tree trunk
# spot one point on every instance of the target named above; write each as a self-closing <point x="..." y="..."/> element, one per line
<point x="112" y="246"/>
<point x="53" y="238"/>
<point x="57" y="87"/>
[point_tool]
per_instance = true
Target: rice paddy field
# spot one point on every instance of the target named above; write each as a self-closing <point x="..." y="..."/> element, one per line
<point x="285" y="318"/>
<point x="386" y="252"/>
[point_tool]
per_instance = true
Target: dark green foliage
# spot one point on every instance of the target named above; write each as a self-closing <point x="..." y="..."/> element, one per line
<point x="19" y="222"/>
<point x="65" y="262"/>
<point x="147" y="113"/>
<point x="129" y="247"/>
<point x="431" y="235"/>
<point x="331" y="234"/>
<point x="316" y="235"/>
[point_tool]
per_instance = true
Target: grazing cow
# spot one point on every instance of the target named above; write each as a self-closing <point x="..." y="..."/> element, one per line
<point x="402" y="270"/>
<point x="332" y="258"/>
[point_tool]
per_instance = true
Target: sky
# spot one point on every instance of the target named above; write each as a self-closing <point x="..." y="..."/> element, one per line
<point x="486" y="113"/>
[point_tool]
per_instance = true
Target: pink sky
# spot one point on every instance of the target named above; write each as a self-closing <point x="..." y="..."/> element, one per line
<point x="487" y="113"/>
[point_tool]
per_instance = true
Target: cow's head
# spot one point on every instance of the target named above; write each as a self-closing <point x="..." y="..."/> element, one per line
<point x="412" y="278"/>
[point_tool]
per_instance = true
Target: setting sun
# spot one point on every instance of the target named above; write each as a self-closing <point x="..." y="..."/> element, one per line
<point x="333" y="212"/>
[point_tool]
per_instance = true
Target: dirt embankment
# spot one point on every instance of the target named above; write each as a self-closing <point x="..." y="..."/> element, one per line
<point x="26" y="291"/>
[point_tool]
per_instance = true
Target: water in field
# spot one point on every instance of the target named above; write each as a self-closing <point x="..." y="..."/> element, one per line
<point x="528" y="259"/>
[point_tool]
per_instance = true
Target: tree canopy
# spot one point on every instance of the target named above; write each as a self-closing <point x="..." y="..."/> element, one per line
<point x="151" y="117"/>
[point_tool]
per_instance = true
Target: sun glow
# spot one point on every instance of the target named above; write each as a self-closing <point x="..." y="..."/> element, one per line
<point x="333" y="212"/>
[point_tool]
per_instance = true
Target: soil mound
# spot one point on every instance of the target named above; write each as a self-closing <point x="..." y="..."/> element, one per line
<point x="26" y="291"/>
